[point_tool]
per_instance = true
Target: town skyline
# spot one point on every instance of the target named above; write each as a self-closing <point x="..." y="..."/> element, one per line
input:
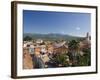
<point x="47" y="22"/>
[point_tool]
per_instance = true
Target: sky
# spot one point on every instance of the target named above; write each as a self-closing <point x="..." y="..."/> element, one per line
<point x="45" y="22"/>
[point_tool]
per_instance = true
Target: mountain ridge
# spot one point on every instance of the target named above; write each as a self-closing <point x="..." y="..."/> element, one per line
<point x="51" y="36"/>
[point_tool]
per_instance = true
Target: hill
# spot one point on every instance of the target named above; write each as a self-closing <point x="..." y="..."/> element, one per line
<point x="52" y="36"/>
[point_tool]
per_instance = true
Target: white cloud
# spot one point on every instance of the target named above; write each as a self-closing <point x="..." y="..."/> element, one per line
<point x="77" y="28"/>
<point x="62" y="32"/>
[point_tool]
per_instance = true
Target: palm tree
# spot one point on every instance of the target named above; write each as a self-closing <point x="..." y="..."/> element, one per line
<point x="73" y="49"/>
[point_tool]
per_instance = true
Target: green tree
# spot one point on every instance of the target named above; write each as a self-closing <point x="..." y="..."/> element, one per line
<point x="61" y="59"/>
<point x="85" y="60"/>
<point x="73" y="45"/>
<point x="73" y="49"/>
<point x="27" y="38"/>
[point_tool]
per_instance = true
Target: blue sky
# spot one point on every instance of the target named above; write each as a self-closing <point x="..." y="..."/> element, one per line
<point x="44" y="22"/>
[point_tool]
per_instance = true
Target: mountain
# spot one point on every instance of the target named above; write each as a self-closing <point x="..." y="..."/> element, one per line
<point x="51" y="36"/>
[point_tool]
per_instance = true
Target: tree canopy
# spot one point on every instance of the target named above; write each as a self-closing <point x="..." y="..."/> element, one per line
<point x="27" y="38"/>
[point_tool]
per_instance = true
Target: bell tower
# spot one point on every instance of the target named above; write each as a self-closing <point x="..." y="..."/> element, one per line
<point x="87" y="36"/>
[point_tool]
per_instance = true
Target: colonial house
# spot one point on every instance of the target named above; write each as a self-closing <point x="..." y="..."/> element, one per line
<point x="84" y="44"/>
<point x="60" y="48"/>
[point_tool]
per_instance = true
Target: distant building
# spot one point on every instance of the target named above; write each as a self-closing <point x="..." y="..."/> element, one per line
<point x="26" y="44"/>
<point x="43" y="49"/>
<point x="86" y="43"/>
<point x="88" y="36"/>
<point x="31" y="49"/>
<point x="50" y="48"/>
<point x="37" y="50"/>
<point x="39" y="41"/>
